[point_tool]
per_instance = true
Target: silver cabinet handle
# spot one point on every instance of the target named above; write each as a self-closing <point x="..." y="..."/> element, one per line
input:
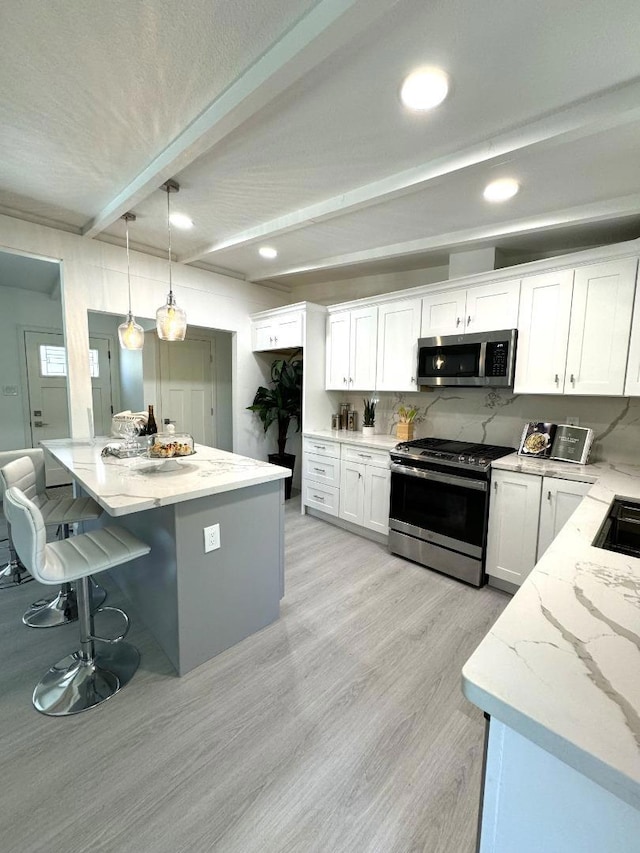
<point x="469" y="320"/>
<point x="364" y="455"/>
<point x="275" y="340"/>
<point x="350" y="380"/>
<point x="458" y="321"/>
<point x="495" y="485"/>
<point x="573" y="380"/>
<point x="413" y="378"/>
<point x="549" y="496"/>
<point x="557" y="379"/>
<point x="270" y="339"/>
<point x="319" y="447"/>
<point x="344" y="379"/>
<point x="318" y="497"/>
<point x="320" y="470"/>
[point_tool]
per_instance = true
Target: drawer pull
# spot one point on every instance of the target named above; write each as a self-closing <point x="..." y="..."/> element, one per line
<point x="318" y="498"/>
<point x="365" y="455"/>
<point x="319" y="447"/>
<point x="320" y="470"/>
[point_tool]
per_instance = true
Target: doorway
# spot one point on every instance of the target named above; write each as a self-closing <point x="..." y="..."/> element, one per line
<point x="186" y="387"/>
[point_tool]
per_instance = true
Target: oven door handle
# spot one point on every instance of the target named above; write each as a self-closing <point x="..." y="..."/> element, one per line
<point x="450" y="479"/>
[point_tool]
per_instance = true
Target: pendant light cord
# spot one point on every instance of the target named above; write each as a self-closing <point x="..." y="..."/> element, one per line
<point x="169" y="229"/>
<point x="128" y="267"/>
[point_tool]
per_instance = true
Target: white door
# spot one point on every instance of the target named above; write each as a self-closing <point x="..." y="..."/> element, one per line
<point x="443" y="313"/>
<point x="338" y="337"/>
<point x="352" y="491"/>
<point x="377" y="483"/>
<point x="512" y="537"/>
<point x="47" y="388"/>
<point x="600" y="328"/>
<point x="543" y="333"/>
<point x="186" y="388"/>
<point x="398" y="332"/>
<point x="560" y="498"/>
<point x="363" y="349"/>
<point x="493" y="306"/>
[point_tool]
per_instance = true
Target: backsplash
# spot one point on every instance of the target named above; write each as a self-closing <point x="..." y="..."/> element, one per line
<point x="497" y="417"/>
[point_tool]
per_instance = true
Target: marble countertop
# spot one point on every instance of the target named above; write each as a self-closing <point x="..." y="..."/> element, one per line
<point x="123" y="486"/>
<point x="562" y="663"/>
<point x="383" y="442"/>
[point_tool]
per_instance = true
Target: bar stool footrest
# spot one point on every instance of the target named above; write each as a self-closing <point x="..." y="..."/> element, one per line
<point x="119" y="637"/>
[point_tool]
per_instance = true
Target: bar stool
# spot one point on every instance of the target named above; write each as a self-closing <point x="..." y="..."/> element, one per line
<point x="14" y="570"/>
<point x="61" y="512"/>
<point x="90" y="675"/>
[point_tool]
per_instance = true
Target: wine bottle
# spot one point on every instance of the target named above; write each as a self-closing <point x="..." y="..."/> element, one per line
<point x="152" y="427"/>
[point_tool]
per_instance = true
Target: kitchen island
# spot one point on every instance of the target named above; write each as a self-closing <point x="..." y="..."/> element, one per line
<point x="195" y="603"/>
<point x="559" y="677"/>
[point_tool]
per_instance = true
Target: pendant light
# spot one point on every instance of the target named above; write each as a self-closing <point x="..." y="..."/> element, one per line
<point x="130" y="333"/>
<point x="171" y="321"/>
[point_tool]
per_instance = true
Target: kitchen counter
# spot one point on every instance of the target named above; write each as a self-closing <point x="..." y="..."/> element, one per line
<point x="383" y="442"/>
<point x="196" y="603"/>
<point x="561" y="666"/>
<point x="123" y="486"/>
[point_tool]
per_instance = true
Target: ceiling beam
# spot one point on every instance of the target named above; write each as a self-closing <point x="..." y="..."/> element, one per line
<point x="611" y="108"/>
<point x="328" y="26"/>
<point x="628" y="205"/>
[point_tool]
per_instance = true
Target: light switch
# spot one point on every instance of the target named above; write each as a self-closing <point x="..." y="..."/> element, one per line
<point x="10" y="390"/>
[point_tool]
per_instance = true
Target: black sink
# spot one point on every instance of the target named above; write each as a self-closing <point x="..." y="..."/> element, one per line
<point x="621" y="529"/>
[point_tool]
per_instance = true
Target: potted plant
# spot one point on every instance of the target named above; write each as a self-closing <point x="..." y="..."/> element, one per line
<point x="369" y="417"/>
<point x="404" y="428"/>
<point x="281" y="403"/>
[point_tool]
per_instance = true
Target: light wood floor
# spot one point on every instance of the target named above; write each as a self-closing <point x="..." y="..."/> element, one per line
<point x="341" y="727"/>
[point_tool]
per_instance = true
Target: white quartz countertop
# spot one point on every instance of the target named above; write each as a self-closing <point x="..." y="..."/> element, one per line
<point x="123" y="486"/>
<point x="562" y="663"/>
<point x="383" y="442"/>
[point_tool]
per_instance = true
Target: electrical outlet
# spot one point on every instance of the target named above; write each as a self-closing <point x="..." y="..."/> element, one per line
<point x="573" y="421"/>
<point x="211" y="538"/>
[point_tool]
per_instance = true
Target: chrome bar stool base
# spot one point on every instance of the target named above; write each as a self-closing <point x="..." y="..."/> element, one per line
<point x="13" y="571"/>
<point x="61" y="610"/>
<point x="74" y="684"/>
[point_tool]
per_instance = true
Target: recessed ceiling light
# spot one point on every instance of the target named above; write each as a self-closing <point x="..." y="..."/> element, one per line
<point x="181" y="220"/>
<point x="425" y="88"/>
<point x="501" y="190"/>
<point x="267" y="252"/>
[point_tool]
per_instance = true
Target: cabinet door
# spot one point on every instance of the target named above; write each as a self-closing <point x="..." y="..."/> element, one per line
<point x="543" y="333"/>
<point x="443" y="313"/>
<point x="600" y="328"/>
<point x="288" y="330"/>
<point x="398" y="332"/>
<point x="362" y="350"/>
<point x="559" y="500"/>
<point x="352" y="491"/>
<point x="262" y="335"/>
<point x="338" y="351"/>
<point x="493" y="306"/>
<point x="377" y="482"/>
<point x="512" y="538"/>
<point x="632" y="382"/>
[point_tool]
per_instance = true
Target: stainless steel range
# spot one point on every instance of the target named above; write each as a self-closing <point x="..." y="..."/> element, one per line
<point x="440" y="504"/>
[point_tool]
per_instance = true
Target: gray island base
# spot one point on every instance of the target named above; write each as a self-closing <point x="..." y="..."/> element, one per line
<point x="195" y="603"/>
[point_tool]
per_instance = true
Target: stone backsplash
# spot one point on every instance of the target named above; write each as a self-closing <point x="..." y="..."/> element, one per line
<point x="495" y="416"/>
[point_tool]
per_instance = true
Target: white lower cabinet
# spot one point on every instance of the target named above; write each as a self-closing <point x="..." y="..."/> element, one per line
<point x="352" y="492"/>
<point x="526" y="514"/>
<point x="377" y="483"/>
<point x="365" y="482"/>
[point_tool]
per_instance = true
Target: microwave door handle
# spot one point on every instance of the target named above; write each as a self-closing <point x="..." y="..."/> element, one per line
<point x="482" y="360"/>
<point x="439" y="477"/>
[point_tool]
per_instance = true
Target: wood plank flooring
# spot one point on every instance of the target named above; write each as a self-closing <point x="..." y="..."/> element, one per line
<point x="341" y="727"/>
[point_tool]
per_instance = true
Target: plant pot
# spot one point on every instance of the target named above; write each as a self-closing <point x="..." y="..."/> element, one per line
<point x="284" y="460"/>
<point x="404" y="432"/>
<point x="368" y="430"/>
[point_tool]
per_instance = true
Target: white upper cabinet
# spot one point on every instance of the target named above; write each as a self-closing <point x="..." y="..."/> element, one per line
<point x="485" y="308"/>
<point x="398" y="333"/>
<point x="278" y="331"/>
<point x="574" y="329"/>
<point x="600" y="328"/>
<point x="543" y="332"/>
<point x="351" y="350"/>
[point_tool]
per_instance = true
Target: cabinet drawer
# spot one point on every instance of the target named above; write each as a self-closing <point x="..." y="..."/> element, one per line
<point x="322" y="469"/>
<point x="325" y="498"/>
<point x="366" y="455"/>
<point x="322" y="447"/>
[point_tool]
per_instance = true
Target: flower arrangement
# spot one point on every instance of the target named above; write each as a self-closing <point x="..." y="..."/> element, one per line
<point x="407" y="416"/>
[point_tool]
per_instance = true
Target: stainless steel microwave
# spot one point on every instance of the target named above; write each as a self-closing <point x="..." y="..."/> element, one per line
<point x="485" y="359"/>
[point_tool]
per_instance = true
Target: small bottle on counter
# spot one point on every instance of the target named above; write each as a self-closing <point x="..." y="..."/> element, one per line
<point x="169" y="427"/>
<point x="152" y="426"/>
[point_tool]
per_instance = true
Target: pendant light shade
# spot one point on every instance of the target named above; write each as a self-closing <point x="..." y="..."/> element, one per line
<point x="130" y="333"/>
<point x="171" y="320"/>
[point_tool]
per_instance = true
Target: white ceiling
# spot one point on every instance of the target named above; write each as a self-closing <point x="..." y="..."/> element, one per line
<point x="281" y="121"/>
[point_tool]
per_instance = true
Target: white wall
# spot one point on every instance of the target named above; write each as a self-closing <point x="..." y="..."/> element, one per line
<point x="94" y="278"/>
<point x="18" y="309"/>
<point x="331" y="292"/>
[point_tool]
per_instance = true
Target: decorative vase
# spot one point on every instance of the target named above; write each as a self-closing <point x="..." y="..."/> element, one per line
<point x="368" y="430"/>
<point x="404" y="432"/>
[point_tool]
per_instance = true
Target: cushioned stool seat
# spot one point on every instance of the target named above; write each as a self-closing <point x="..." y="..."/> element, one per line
<point x="93" y="673"/>
<point x="25" y="475"/>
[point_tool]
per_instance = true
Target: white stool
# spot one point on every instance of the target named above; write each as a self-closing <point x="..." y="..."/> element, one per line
<point x="90" y="675"/>
<point x="14" y="570"/>
<point x="61" y="512"/>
